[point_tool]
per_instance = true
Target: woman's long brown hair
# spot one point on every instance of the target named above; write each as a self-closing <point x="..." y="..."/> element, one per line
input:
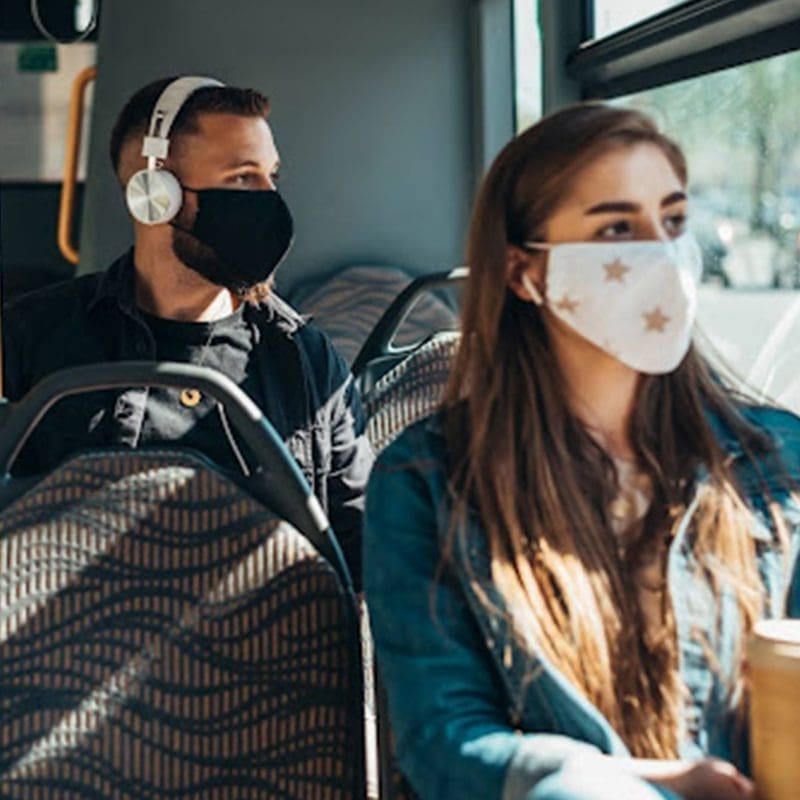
<point x="541" y="483"/>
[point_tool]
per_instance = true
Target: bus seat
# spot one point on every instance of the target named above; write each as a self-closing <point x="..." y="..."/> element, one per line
<point x="400" y="383"/>
<point x="393" y="784"/>
<point x="164" y="633"/>
<point x="411" y="390"/>
<point x="349" y="303"/>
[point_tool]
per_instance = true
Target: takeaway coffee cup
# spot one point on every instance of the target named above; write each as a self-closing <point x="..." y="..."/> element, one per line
<point x="773" y="668"/>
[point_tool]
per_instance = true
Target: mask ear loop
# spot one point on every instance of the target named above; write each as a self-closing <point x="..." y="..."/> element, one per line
<point x="535" y="294"/>
<point x="530" y="288"/>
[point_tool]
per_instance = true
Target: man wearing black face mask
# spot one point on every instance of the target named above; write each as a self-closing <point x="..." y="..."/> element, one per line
<point x="197" y="288"/>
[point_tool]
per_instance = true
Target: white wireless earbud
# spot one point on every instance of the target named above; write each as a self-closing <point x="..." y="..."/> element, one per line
<point x="535" y="294"/>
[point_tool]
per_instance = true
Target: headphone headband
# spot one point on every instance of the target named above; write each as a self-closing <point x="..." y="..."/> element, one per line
<point x="154" y="196"/>
<point x="167" y="107"/>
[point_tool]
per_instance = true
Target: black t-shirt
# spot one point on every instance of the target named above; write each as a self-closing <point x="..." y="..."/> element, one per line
<point x="189" y="418"/>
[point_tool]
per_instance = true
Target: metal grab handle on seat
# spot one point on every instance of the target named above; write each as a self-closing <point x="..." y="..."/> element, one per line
<point x="282" y="485"/>
<point x="379" y="341"/>
<point x="66" y="209"/>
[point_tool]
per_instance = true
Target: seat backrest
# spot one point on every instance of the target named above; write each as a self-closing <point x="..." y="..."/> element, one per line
<point x="163" y="634"/>
<point x="394" y="785"/>
<point x="411" y="390"/>
<point x="348" y="305"/>
<point x="401" y="385"/>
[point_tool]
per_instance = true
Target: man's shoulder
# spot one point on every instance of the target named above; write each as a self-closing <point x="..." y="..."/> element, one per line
<point x="48" y="304"/>
<point x="284" y="313"/>
<point x="276" y="313"/>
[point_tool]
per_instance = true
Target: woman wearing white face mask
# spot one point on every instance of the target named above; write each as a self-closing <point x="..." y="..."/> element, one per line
<point x="563" y="563"/>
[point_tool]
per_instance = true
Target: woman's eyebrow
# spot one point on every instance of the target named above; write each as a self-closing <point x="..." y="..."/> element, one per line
<point x="675" y="197"/>
<point x="614" y="207"/>
<point x="627" y="207"/>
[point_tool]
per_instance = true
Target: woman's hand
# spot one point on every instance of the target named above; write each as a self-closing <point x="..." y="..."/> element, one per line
<point x="709" y="779"/>
<point x="713" y="779"/>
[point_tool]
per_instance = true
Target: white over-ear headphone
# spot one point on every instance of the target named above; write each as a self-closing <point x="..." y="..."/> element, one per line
<point x="154" y="195"/>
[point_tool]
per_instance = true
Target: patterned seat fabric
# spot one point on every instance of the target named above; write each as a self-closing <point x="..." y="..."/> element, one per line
<point x="407" y="393"/>
<point x="349" y="304"/>
<point x="163" y="635"/>
<point x="394" y="785"/>
<point x="411" y="390"/>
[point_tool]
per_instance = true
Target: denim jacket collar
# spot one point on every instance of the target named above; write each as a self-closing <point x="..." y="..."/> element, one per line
<point x="723" y="434"/>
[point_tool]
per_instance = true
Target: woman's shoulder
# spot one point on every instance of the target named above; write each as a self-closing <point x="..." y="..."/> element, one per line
<point x="420" y="446"/>
<point x="406" y="489"/>
<point x="783" y="429"/>
<point x="782" y="425"/>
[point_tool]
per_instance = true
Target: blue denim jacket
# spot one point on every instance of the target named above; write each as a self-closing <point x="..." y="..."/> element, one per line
<point x="476" y="716"/>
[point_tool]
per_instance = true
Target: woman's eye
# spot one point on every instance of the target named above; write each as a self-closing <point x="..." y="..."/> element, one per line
<point x="615" y="230"/>
<point x="275" y="177"/>
<point x="675" y="224"/>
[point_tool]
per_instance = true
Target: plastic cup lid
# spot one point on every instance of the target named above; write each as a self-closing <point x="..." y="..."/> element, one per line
<point x="786" y="631"/>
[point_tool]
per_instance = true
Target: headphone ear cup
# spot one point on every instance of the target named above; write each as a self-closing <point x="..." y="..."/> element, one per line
<point x="154" y="196"/>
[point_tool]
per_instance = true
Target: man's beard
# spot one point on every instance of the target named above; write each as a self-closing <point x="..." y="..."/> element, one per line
<point x="202" y="259"/>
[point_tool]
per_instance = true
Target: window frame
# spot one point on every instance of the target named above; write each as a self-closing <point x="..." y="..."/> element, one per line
<point x="692" y="39"/>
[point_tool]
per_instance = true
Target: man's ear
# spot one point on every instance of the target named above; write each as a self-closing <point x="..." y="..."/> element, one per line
<point x="520" y="262"/>
<point x="131" y="159"/>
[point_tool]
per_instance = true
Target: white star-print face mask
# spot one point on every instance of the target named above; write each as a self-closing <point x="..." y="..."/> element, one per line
<point x="636" y="301"/>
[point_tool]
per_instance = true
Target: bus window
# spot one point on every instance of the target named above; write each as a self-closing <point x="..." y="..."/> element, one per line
<point x="610" y="16"/>
<point x="723" y="80"/>
<point x="527" y="63"/>
<point x="741" y="133"/>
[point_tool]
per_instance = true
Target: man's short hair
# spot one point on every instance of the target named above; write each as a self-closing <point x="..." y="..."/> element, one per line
<point x="134" y="119"/>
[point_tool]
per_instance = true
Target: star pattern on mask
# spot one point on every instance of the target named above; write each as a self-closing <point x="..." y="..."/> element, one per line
<point x="566" y="303"/>
<point x="616" y="271"/>
<point x="655" y="320"/>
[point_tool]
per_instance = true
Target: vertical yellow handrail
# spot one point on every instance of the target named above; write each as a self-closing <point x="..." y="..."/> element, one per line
<point x="66" y="209"/>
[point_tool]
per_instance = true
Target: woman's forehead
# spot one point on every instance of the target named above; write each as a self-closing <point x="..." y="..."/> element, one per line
<point x="639" y="173"/>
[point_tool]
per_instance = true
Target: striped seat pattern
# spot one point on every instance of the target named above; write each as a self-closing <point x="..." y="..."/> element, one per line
<point x="163" y="635"/>
<point x="348" y="305"/>
<point x="407" y="393"/>
<point x="411" y="390"/>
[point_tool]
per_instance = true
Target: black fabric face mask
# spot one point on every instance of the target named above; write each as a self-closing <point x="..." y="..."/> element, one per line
<point x="250" y="232"/>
